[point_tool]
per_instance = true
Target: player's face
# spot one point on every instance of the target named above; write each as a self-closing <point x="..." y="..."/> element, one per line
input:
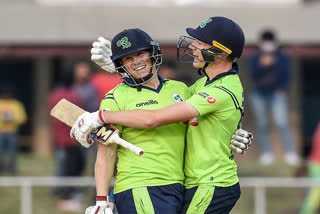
<point x="196" y="47"/>
<point x="138" y="64"/>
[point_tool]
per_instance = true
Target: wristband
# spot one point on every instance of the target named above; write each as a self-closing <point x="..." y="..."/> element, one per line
<point x="101" y="116"/>
<point x="102" y="201"/>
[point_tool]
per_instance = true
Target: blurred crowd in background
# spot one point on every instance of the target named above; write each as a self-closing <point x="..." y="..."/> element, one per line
<point x="82" y="83"/>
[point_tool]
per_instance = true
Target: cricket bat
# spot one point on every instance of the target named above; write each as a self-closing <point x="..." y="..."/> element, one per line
<point x="68" y="113"/>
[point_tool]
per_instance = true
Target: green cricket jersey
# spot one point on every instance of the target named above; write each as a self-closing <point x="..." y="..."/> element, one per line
<point x="208" y="158"/>
<point x="163" y="146"/>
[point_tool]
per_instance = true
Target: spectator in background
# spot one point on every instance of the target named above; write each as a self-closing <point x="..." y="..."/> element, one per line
<point x="69" y="157"/>
<point x="89" y="98"/>
<point x="84" y="89"/>
<point x="269" y="69"/>
<point x="12" y="115"/>
<point x="312" y="202"/>
<point x="104" y="82"/>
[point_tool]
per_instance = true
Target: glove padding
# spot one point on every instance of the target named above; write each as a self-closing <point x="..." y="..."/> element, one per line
<point x="101" y="207"/>
<point x="241" y="141"/>
<point x="98" y="210"/>
<point x="85" y="124"/>
<point x="101" y="54"/>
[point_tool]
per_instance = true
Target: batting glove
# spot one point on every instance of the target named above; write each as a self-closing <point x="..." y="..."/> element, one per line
<point x="101" y="54"/>
<point x="241" y="141"/>
<point x="84" y="125"/>
<point x="102" y="206"/>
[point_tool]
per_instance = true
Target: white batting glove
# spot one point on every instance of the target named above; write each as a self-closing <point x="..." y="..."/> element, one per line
<point x="240" y="141"/>
<point x="84" y="125"/>
<point x="101" y="54"/>
<point x="102" y="206"/>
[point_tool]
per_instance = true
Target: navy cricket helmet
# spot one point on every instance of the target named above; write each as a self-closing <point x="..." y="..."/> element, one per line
<point x="130" y="41"/>
<point x="225" y="36"/>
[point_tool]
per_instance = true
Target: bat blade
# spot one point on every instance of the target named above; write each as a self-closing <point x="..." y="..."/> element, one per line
<point x="68" y="113"/>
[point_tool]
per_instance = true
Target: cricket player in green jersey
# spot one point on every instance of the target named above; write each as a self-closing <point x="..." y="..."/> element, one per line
<point x="153" y="183"/>
<point x="217" y="169"/>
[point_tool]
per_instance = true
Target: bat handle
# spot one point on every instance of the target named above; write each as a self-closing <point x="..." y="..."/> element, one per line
<point x="116" y="139"/>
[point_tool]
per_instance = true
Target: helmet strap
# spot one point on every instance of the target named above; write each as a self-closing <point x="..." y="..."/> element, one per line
<point x="203" y="69"/>
<point x="142" y="80"/>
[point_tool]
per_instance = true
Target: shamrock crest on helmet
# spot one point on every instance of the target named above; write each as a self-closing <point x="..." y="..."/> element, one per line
<point x="205" y="22"/>
<point x="124" y="42"/>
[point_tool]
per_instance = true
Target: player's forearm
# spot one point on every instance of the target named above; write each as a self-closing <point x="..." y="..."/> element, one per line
<point x="135" y="118"/>
<point x="104" y="168"/>
<point x="152" y="118"/>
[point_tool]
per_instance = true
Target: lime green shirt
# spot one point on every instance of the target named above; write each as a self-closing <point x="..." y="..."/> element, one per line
<point x="163" y="146"/>
<point x="208" y="158"/>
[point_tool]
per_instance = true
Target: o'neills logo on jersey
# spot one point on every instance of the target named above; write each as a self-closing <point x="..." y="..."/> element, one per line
<point x="149" y="102"/>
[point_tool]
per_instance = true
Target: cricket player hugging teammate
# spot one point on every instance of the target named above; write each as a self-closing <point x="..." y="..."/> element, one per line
<point x="176" y="175"/>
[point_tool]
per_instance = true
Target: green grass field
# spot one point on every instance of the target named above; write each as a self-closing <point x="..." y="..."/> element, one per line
<point x="279" y="200"/>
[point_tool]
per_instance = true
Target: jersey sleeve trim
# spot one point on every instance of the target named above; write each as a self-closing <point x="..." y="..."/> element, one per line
<point x="235" y="101"/>
<point x="233" y="97"/>
<point x="112" y="98"/>
<point x="110" y="95"/>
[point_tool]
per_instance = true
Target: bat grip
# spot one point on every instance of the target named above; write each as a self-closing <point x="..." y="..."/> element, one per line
<point x="116" y="139"/>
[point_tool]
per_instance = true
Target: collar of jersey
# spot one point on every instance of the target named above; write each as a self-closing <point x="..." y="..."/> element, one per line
<point x="161" y="79"/>
<point x="233" y="70"/>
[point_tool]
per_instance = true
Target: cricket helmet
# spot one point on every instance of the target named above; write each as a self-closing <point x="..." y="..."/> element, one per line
<point x="225" y="36"/>
<point x="130" y="41"/>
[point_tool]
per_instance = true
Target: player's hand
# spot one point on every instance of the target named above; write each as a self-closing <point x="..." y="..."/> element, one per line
<point x="240" y="141"/>
<point x="102" y="207"/>
<point x="84" y="125"/>
<point x="101" y="54"/>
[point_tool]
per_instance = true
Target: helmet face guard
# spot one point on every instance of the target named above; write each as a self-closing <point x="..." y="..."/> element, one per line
<point x="185" y="53"/>
<point x="156" y="60"/>
<point x="225" y="36"/>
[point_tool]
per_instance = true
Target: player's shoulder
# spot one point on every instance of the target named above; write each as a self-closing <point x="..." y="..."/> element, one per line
<point x="175" y="83"/>
<point x="226" y="79"/>
<point x="229" y="85"/>
<point x="116" y="91"/>
<point x="232" y="82"/>
<point x="115" y="98"/>
<point x="200" y="82"/>
<point x="176" y="87"/>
